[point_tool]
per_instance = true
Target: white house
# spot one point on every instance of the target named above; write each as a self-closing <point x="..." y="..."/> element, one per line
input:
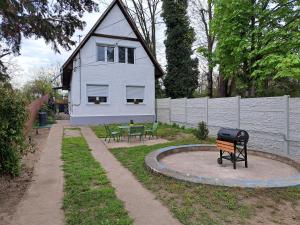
<point x="111" y="74"/>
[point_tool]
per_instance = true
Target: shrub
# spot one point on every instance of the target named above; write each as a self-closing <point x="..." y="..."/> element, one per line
<point x="13" y="115"/>
<point x="201" y="132"/>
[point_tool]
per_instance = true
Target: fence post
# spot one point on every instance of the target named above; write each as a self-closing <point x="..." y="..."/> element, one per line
<point x="207" y="98"/>
<point x="286" y="99"/>
<point x="238" y="113"/>
<point x="185" y="111"/>
<point x="170" y="113"/>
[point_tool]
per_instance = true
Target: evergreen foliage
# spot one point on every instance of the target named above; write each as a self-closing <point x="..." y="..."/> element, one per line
<point x="202" y="131"/>
<point x="182" y="71"/>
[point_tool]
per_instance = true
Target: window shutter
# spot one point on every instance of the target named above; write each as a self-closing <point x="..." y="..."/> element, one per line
<point x="97" y="90"/>
<point x="135" y="92"/>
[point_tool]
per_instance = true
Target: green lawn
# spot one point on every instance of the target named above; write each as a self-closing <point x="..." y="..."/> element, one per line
<point x="203" y="204"/>
<point x="170" y="132"/>
<point x="89" y="197"/>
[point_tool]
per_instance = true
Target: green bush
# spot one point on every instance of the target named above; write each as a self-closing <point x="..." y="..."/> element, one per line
<point x="201" y="132"/>
<point x="13" y="116"/>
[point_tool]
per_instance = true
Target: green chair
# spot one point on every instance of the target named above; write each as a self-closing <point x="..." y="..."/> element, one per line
<point x="136" y="131"/>
<point x="111" y="134"/>
<point x="152" y="131"/>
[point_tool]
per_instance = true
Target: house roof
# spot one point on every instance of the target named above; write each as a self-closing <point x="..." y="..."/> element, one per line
<point x="68" y="65"/>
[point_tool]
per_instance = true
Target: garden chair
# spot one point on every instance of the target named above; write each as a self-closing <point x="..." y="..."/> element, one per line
<point x="152" y="131"/>
<point x="136" y="131"/>
<point x="111" y="134"/>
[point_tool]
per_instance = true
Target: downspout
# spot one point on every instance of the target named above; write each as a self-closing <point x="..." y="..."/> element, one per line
<point x="79" y="58"/>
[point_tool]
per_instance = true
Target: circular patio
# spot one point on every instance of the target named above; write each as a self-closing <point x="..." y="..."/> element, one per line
<point x="198" y="164"/>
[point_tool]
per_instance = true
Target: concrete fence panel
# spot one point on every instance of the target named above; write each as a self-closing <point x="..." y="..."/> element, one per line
<point x="178" y="108"/>
<point x="222" y="112"/>
<point x="163" y="114"/>
<point x="273" y="122"/>
<point x="196" y="111"/>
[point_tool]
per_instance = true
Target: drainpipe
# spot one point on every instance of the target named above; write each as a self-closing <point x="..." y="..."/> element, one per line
<point x="79" y="66"/>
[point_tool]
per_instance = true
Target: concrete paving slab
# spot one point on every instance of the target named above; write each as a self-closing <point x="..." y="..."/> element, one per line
<point x="204" y="163"/>
<point x="135" y="142"/>
<point x="42" y="203"/>
<point x="139" y="202"/>
<point x="72" y="133"/>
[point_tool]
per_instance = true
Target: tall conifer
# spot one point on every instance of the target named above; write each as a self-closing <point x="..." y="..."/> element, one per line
<point x="182" y="70"/>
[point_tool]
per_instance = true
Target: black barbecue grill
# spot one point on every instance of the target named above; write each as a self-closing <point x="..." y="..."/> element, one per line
<point x="232" y="144"/>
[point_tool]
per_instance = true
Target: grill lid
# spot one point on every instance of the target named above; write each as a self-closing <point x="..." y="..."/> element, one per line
<point x="230" y="134"/>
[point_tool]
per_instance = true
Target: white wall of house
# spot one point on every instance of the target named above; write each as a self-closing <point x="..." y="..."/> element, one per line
<point x="114" y="74"/>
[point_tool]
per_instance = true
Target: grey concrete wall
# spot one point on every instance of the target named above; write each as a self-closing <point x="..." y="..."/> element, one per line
<point x="273" y="123"/>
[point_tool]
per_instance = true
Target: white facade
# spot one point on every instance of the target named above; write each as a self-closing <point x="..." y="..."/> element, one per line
<point x="87" y="70"/>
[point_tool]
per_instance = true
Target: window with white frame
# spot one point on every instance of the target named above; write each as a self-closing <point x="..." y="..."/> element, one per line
<point x="126" y="55"/>
<point x="135" y="94"/>
<point x="105" y="53"/>
<point x="130" y="55"/>
<point x="122" y="55"/>
<point x="97" y="93"/>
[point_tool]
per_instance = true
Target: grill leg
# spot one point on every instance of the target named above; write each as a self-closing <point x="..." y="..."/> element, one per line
<point x="246" y="159"/>
<point x="220" y="159"/>
<point x="234" y="159"/>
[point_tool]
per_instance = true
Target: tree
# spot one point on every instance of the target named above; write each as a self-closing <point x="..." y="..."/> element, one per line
<point x="182" y="70"/>
<point x="202" y="12"/>
<point x="41" y="84"/>
<point x="54" y="21"/>
<point x="257" y="41"/>
<point x="145" y="13"/>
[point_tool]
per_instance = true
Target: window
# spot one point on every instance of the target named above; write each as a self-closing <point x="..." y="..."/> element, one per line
<point x="110" y="54"/>
<point x="97" y="93"/>
<point x="122" y="52"/>
<point x="105" y="53"/>
<point x="135" y="94"/>
<point x="130" y="55"/>
<point x="100" y="53"/>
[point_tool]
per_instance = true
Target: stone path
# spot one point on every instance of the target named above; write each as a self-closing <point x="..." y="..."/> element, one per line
<point x="139" y="202"/>
<point x="42" y="203"/>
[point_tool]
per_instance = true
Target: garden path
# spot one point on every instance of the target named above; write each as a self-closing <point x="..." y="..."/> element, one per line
<point x="139" y="202"/>
<point x="42" y="203"/>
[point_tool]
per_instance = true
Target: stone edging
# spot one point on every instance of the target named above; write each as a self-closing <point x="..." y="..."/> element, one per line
<point x="152" y="161"/>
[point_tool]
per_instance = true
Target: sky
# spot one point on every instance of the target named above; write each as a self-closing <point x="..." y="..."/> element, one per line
<point x="35" y="53"/>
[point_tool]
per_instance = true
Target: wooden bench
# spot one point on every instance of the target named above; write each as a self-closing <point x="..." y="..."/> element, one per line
<point x="225" y="146"/>
<point x="41" y="127"/>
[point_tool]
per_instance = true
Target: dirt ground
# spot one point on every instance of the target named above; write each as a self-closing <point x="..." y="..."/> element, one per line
<point x="13" y="189"/>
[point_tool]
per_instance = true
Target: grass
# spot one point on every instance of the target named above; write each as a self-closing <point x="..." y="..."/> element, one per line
<point x="169" y="132"/>
<point x="89" y="197"/>
<point x="203" y="204"/>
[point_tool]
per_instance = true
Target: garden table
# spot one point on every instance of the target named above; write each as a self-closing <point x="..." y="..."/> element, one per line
<point x="123" y="129"/>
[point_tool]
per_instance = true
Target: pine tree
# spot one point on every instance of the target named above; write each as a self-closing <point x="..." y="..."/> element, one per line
<point x="182" y="70"/>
